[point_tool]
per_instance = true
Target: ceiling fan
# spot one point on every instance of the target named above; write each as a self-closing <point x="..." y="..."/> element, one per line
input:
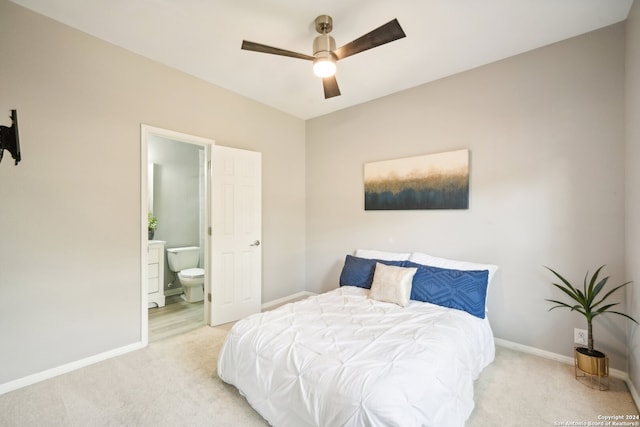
<point x="325" y="53"/>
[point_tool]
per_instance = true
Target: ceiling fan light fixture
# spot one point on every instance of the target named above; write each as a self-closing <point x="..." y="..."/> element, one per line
<point x="324" y="66"/>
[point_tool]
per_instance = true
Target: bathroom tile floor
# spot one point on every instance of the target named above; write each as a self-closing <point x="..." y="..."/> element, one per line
<point x="175" y="318"/>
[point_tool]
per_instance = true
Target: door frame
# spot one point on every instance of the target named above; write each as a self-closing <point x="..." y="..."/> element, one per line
<point x="145" y="132"/>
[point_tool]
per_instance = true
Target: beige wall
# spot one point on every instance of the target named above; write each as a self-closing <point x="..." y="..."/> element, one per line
<point x="632" y="156"/>
<point x="545" y="131"/>
<point x="70" y="212"/>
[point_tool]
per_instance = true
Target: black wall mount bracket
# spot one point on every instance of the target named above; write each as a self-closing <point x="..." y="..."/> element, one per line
<point x="9" y="139"/>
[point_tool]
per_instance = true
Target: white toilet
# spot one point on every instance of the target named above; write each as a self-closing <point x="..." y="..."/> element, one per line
<point x="184" y="262"/>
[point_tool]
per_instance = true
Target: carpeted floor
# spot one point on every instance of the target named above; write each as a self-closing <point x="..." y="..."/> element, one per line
<point x="174" y="383"/>
<point x="519" y="389"/>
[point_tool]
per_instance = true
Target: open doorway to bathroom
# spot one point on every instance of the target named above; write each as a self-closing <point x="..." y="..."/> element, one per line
<point x="177" y="199"/>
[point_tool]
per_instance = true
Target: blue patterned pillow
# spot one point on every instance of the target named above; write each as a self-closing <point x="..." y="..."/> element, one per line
<point x="359" y="271"/>
<point x="460" y="289"/>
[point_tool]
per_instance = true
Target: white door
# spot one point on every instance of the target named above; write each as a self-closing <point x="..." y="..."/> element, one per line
<point x="236" y="234"/>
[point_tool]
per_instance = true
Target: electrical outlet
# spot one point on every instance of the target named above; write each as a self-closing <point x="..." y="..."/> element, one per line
<point x="580" y="336"/>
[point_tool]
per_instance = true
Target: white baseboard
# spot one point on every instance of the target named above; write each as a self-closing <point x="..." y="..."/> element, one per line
<point x="54" y="372"/>
<point x="634" y="393"/>
<point x="616" y="373"/>
<point x="280" y="301"/>
<point x="535" y="351"/>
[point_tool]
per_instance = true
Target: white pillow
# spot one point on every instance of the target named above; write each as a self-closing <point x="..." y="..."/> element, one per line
<point x="392" y="284"/>
<point x="387" y="256"/>
<point x="420" y="258"/>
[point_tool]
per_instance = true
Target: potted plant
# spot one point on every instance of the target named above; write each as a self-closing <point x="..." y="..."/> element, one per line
<point x="586" y="302"/>
<point x="152" y="224"/>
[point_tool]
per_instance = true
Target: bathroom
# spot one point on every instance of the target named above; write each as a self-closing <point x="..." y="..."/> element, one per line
<point x="177" y="200"/>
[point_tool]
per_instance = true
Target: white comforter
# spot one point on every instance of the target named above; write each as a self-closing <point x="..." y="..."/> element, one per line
<point x="342" y="359"/>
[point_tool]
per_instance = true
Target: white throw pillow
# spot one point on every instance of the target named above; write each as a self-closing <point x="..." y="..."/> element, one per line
<point x="392" y="284"/>
<point x="387" y="256"/>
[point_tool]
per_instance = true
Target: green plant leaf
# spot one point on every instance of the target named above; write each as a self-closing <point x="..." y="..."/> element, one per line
<point x="561" y="304"/>
<point x="592" y="282"/>
<point x="598" y="288"/>
<point x="624" y="315"/>
<point x="565" y="281"/>
<point x="609" y="293"/>
<point x="573" y="295"/>
<point x="604" y="308"/>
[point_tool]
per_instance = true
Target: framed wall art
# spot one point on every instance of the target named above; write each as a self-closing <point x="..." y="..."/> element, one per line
<point x="434" y="181"/>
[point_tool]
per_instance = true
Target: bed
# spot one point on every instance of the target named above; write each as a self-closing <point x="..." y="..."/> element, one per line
<point x="345" y="358"/>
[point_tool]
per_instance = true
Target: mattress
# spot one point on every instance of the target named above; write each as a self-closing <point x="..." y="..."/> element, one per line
<point x="343" y="359"/>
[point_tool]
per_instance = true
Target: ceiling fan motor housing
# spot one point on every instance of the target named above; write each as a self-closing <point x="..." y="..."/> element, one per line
<point x="323" y="46"/>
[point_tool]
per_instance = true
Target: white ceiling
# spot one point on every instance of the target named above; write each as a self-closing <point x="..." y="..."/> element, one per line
<point x="444" y="37"/>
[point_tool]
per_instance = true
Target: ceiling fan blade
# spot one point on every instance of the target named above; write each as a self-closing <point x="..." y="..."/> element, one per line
<point x="384" y="34"/>
<point x="257" y="47"/>
<point x="330" y="85"/>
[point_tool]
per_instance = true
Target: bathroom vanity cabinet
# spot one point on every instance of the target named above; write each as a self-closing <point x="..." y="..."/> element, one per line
<point x="156" y="272"/>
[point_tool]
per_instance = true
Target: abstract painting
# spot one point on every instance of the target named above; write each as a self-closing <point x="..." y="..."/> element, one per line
<point x="434" y="181"/>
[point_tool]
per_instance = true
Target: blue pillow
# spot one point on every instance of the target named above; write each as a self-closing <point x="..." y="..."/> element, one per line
<point x="459" y="289"/>
<point x="359" y="271"/>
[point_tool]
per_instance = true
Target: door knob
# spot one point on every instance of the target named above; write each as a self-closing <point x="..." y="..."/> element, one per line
<point x="256" y="243"/>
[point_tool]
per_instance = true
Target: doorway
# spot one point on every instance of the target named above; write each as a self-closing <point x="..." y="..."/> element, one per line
<point x="176" y="163"/>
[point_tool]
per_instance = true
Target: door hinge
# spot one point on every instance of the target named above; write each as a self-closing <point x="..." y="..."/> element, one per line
<point x="209" y="296"/>
<point x="209" y="231"/>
